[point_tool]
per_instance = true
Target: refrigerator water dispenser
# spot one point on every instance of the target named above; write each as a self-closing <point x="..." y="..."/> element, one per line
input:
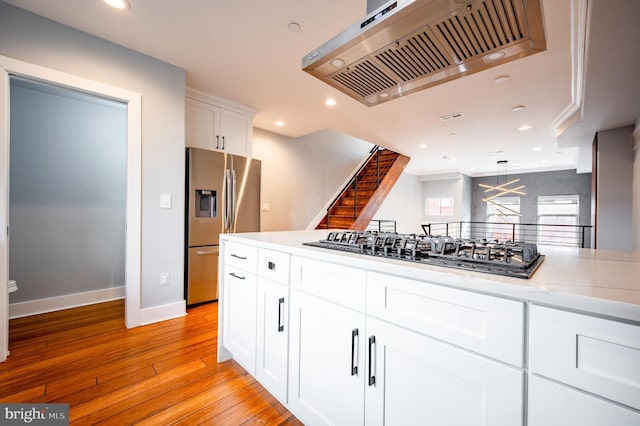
<point x="206" y="203"/>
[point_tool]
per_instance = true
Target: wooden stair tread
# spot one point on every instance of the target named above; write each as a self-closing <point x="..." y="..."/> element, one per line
<point x="365" y="195"/>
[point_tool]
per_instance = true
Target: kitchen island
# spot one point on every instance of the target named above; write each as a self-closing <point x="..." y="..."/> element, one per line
<point x="342" y="338"/>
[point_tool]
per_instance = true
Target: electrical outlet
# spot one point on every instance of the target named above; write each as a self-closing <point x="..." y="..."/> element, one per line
<point x="165" y="278"/>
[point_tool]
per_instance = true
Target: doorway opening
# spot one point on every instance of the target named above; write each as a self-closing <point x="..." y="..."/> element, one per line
<point x="67" y="197"/>
<point x="14" y="69"/>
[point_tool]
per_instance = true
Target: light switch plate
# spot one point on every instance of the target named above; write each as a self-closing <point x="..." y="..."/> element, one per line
<point x="165" y="201"/>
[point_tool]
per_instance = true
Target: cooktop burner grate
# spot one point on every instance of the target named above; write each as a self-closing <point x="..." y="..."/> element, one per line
<point x="509" y="258"/>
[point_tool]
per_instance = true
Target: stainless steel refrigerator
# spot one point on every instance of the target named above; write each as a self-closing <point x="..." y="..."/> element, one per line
<point x="223" y="196"/>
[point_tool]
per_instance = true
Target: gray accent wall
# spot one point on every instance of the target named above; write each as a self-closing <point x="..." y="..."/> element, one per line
<point x="561" y="182"/>
<point x="34" y="39"/>
<point x="614" y="199"/>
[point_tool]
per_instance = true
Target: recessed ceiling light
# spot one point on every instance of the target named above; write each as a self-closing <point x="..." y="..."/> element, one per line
<point x="118" y="4"/>
<point x="524" y="127"/>
<point x="453" y="160"/>
<point x="279" y="123"/>
<point x="452" y="134"/>
<point x="422" y="145"/>
<point x="330" y="102"/>
<point x="517" y="108"/>
<point x="337" y="63"/>
<point x="294" y="27"/>
<point x="501" y="79"/>
<point x="491" y="57"/>
<point x="537" y="148"/>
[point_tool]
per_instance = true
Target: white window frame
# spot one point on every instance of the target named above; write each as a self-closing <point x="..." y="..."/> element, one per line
<point x="558" y="237"/>
<point x="504" y="230"/>
<point x="440" y="201"/>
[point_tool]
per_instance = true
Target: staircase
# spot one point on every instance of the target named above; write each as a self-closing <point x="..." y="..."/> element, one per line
<point x="362" y="196"/>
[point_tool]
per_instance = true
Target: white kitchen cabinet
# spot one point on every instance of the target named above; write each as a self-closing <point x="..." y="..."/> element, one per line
<point x="598" y="355"/>
<point x="209" y="126"/>
<point x="272" y="337"/>
<point x="240" y="293"/>
<point x="326" y="374"/>
<point x="488" y="325"/>
<point x="413" y="379"/>
<point x="554" y="404"/>
<point x="273" y="321"/>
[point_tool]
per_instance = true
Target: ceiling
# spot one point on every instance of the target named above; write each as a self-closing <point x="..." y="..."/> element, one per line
<point x="244" y="51"/>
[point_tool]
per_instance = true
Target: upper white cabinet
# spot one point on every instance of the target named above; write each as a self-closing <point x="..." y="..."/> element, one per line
<point x="215" y="125"/>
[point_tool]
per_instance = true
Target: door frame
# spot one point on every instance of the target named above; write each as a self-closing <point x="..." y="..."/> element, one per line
<point x="13" y="67"/>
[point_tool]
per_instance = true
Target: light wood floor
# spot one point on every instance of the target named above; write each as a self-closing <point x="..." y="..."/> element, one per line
<point x="160" y="374"/>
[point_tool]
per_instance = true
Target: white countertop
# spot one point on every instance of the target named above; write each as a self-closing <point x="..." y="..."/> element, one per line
<point x="600" y="282"/>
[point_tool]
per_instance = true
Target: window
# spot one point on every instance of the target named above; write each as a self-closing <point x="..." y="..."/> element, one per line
<point x="558" y="210"/>
<point x="440" y="206"/>
<point x="503" y="217"/>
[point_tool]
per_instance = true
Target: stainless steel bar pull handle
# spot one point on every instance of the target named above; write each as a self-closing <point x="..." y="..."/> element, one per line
<point x="223" y="142"/>
<point x="281" y="315"/>
<point x="232" y="226"/>
<point x="372" y="377"/>
<point x="236" y="276"/>
<point x="217" y="141"/>
<point x="238" y="257"/>
<point x="354" y="367"/>
<point x="228" y="201"/>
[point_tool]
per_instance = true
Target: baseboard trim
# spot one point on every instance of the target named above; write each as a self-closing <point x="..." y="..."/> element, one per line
<point x="163" y="312"/>
<point x="41" y="306"/>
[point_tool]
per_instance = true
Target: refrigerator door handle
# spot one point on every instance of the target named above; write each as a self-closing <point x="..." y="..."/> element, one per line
<point x="227" y="201"/>
<point x="233" y="201"/>
<point x="206" y="252"/>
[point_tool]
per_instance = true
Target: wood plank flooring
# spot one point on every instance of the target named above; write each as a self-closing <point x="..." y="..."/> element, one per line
<point x="160" y="374"/>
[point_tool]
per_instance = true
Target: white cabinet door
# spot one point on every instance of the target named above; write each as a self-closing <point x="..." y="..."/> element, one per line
<point x="553" y="404"/>
<point x="202" y="127"/>
<point x="240" y="292"/>
<point x="235" y="133"/>
<point x="326" y="373"/>
<point x="598" y="355"/>
<point x="415" y="380"/>
<point x="273" y="332"/>
<point x="214" y="128"/>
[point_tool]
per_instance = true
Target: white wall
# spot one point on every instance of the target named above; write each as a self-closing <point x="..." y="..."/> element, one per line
<point x="615" y="168"/>
<point x="404" y="204"/>
<point x="300" y="176"/>
<point x="40" y="41"/>
<point x="439" y="186"/>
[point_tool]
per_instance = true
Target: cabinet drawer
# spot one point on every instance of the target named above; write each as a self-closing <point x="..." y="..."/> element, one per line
<point x="339" y="284"/>
<point x="485" y="324"/>
<point x="273" y="265"/>
<point x="598" y="355"/>
<point x="241" y="256"/>
<point x="554" y="404"/>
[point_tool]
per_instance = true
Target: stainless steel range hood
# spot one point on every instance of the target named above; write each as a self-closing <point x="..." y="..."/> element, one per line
<point x="404" y="46"/>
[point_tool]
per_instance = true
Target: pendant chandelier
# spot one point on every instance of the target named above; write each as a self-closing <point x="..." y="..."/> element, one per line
<point x="502" y="187"/>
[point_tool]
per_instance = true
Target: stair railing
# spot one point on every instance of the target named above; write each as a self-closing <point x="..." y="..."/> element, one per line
<point x="354" y="181"/>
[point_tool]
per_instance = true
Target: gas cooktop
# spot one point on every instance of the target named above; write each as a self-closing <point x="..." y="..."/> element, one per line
<point x="514" y="259"/>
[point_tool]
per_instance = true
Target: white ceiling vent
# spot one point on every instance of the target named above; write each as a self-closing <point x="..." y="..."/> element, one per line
<point x="452" y="116"/>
